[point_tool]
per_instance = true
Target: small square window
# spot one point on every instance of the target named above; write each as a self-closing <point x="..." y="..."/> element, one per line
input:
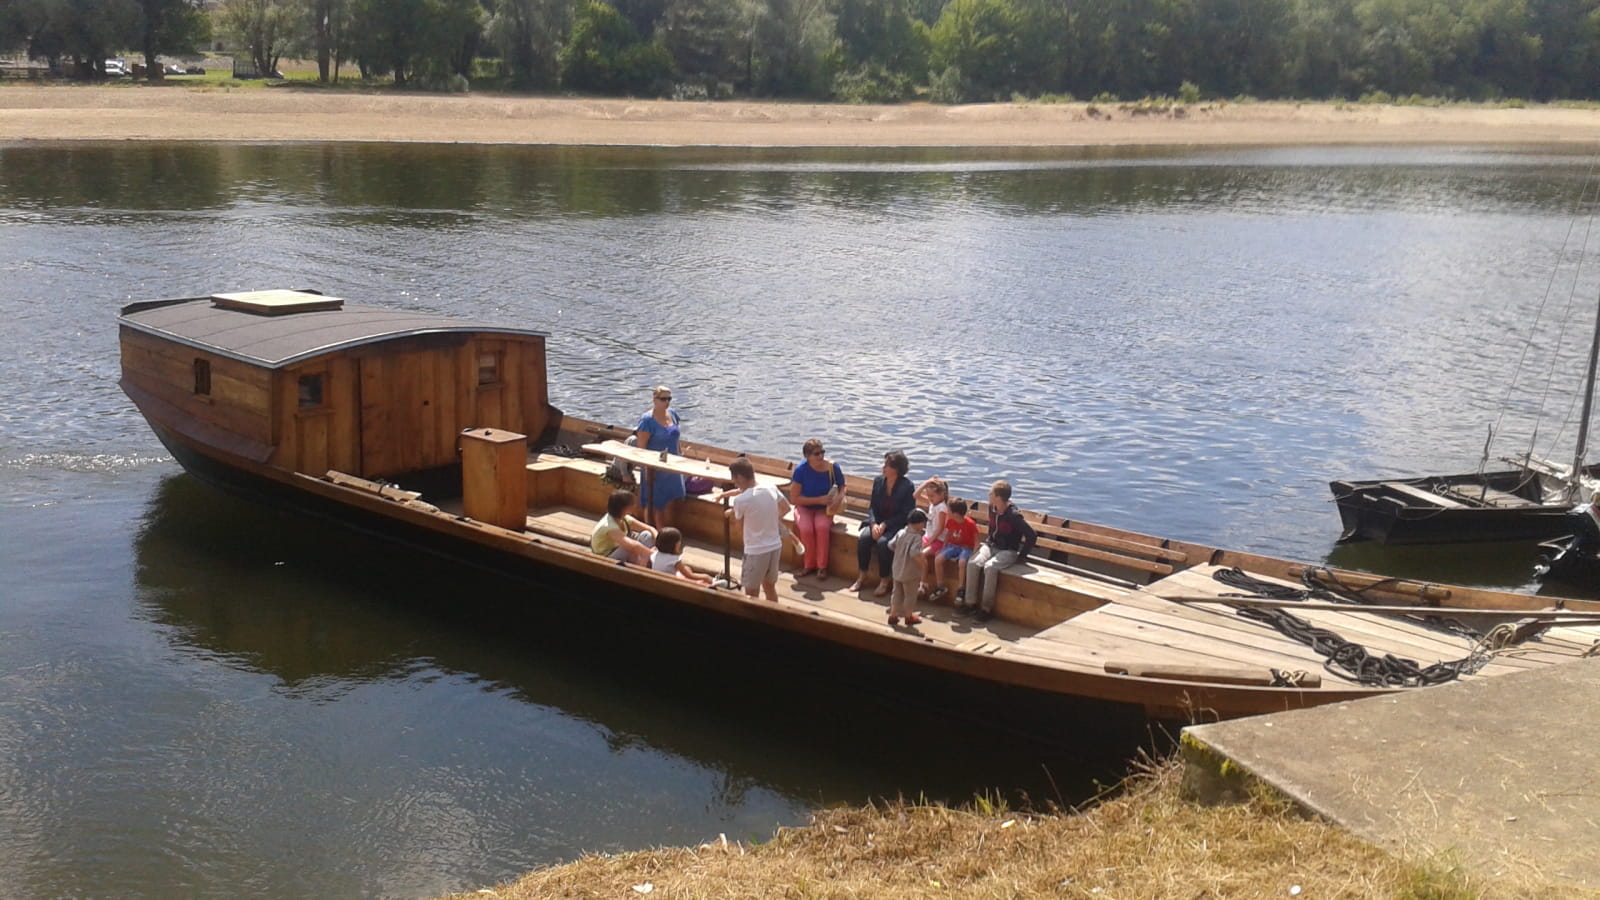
<point x="202" y="376"/>
<point x="488" y="368"/>
<point x="310" y="391"/>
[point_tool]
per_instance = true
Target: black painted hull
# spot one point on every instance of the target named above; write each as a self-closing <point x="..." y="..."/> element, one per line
<point x="1401" y="512"/>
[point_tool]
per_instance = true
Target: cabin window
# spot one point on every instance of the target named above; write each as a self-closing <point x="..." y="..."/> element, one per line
<point x="202" y="377"/>
<point x="311" y="391"/>
<point x="488" y="368"/>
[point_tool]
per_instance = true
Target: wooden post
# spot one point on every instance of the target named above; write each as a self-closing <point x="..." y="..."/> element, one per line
<point x="494" y="477"/>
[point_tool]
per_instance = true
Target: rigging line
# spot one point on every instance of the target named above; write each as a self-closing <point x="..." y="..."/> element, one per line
<point x="1527" y="344"/>
<point x="1555" y="357"/>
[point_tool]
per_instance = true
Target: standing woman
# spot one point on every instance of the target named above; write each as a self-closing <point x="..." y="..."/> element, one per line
<point x="657" y="431"/>
<point x="816" y="491"/>
<point x="892" y="501"/>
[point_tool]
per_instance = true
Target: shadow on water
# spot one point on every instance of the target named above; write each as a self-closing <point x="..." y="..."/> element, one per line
<point x="1501" y="565"/>
<point x="322" y="609"/>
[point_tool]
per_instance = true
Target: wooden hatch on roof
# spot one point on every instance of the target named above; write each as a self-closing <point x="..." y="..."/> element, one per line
<point x="276" y="302"/>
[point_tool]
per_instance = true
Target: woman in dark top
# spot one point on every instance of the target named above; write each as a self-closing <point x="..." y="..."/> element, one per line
<point x="892" y="500"/>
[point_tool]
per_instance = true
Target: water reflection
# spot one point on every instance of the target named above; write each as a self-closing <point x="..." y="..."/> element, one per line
<point x="373" y="183"/>
<point x="324" y="611"/>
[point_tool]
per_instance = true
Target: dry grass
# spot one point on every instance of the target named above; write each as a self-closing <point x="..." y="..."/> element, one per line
<point x="1145" y="843"/>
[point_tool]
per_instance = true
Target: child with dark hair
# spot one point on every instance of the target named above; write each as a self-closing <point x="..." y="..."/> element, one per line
<point x="667" y="558"/>
<point x="907" y="568"/>
<point x="960" y="539"/>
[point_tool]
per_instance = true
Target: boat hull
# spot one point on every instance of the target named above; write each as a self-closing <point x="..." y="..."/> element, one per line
<point x="1445" y="509"/>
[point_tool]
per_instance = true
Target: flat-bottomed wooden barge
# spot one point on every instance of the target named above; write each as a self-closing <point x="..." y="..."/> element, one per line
<point x="440" y="432"/>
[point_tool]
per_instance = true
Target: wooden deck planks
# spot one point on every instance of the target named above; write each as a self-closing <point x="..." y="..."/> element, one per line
<point x="937" y="622"/>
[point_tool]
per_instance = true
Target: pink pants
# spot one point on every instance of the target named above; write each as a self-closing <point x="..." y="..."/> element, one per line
<point x="816" y="526"/>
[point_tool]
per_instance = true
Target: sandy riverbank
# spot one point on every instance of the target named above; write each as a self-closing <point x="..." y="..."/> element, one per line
<point x="182" y="113"/>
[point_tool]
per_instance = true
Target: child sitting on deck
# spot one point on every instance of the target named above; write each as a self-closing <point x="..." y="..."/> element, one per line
<point x="907" y="569"/>
<point x="935" y="494"/>
<point x="960" y="539"/>
<point x="621" y="536"/>
<point x="668" y="557"/>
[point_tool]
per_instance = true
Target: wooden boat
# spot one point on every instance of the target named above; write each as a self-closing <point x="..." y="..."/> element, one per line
<point x="439" y="432"/>
<point x="1529" y="502"/>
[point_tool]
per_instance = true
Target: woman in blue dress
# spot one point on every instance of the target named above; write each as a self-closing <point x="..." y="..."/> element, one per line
<point x="657" y="431"/>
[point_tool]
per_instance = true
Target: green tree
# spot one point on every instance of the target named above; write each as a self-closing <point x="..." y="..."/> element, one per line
<point x="264" y="28"/>
<point x="170" y="26"/>
<point x="980" y="38"/>
<point x="793" y="42"/>
<point x="416" y="38"/>
<point x="528" y="34"/>
<point x="708" y="40"/>
<point x="325" y="29"/>
<point x="592" y="57"/>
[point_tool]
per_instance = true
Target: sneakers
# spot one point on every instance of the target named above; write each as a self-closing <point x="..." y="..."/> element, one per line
<point x="965" y="609"/>
<point x="805" y="573"/>
<point x="913" y="619"/>
<point x="982" y="615"/>
<point x="938" y="593"/>
<point x="894" y="621"/>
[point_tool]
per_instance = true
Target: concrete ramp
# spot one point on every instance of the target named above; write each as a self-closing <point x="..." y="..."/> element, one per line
<point x="1502" y="772"/>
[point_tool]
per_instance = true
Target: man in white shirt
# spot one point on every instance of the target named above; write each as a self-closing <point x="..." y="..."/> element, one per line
<point x="761" y="507"/>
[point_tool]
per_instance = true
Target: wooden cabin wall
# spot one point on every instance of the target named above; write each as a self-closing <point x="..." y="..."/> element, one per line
<point x="317" y="439"/>
<point x="240" y="398"/>
<point x="390" y="409"/>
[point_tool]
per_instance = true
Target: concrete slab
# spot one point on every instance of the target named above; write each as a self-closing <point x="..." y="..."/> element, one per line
<point x="1503" y="772"/>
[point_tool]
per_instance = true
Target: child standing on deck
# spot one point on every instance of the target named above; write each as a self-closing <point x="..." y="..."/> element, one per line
<point x="907" y="569"/>
<point x="935" y="494"/>
<point x="761" y="508"/>
<point x="960" y="539"/>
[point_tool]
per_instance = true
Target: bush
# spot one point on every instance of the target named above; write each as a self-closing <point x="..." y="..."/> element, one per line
<point x="1376" y="97"/>
<point x="1105" y="97"/>
<point x="947" y="86"/>
<point x="871" y="84"/>
<point x="1188" y="93"/>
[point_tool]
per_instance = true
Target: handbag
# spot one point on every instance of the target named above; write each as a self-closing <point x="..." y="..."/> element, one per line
<point x="697" y="484"/>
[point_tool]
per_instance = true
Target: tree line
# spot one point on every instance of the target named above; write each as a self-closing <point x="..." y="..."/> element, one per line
<point x="870" y="50"/>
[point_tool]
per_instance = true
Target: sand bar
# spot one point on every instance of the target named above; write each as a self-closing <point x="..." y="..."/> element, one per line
<point x="176" y="113"/>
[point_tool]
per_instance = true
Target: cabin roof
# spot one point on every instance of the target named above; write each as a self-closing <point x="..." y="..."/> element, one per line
<point x="276" y="341"/>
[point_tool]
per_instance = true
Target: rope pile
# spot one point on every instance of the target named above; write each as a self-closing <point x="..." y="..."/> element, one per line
<point x="1353" y="658"/>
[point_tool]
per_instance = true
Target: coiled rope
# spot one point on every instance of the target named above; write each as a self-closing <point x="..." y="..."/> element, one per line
<point x="1353" y="658"/>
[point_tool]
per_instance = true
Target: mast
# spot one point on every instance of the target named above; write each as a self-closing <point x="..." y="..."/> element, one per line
<point x="1574" y="484"/>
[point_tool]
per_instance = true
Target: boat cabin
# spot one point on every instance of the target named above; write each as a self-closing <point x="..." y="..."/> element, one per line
<point x="304" y="382"/>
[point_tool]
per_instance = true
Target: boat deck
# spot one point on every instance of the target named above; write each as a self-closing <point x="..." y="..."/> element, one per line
<point x="939" y="624"/>
<point x="1139" y="628"/>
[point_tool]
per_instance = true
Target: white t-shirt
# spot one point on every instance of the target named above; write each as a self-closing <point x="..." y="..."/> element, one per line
<point x="935" y="529"/>
<point x="758" y="508"/>
<point x="664" y="562"/>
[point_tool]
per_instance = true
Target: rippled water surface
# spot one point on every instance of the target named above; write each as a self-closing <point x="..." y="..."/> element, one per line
<point x="199" y="697"/>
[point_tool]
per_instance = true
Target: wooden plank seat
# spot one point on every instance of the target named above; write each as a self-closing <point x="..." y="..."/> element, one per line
<point x="1424" y="496"/>
<point x="1153" y="557"/>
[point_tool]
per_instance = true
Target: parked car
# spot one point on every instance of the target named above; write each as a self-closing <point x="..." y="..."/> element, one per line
<point x="116" y="68"/>
<point x="170" y="69"/>
<point x="195" y="70"/>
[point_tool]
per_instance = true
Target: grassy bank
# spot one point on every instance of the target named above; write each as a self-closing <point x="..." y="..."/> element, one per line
<point x="1146" y="842"/>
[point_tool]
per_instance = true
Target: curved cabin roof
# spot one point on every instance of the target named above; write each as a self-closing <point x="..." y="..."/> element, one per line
<point x="291" y="326"/>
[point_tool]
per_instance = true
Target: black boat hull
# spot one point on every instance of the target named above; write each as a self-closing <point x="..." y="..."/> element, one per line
<point x="1495" y="506"/>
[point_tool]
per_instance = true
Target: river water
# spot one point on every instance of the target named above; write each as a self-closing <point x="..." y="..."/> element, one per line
<point x="203" y="698"/>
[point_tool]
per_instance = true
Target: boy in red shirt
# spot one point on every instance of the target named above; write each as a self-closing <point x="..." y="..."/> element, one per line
<point x="960" y="539"/>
